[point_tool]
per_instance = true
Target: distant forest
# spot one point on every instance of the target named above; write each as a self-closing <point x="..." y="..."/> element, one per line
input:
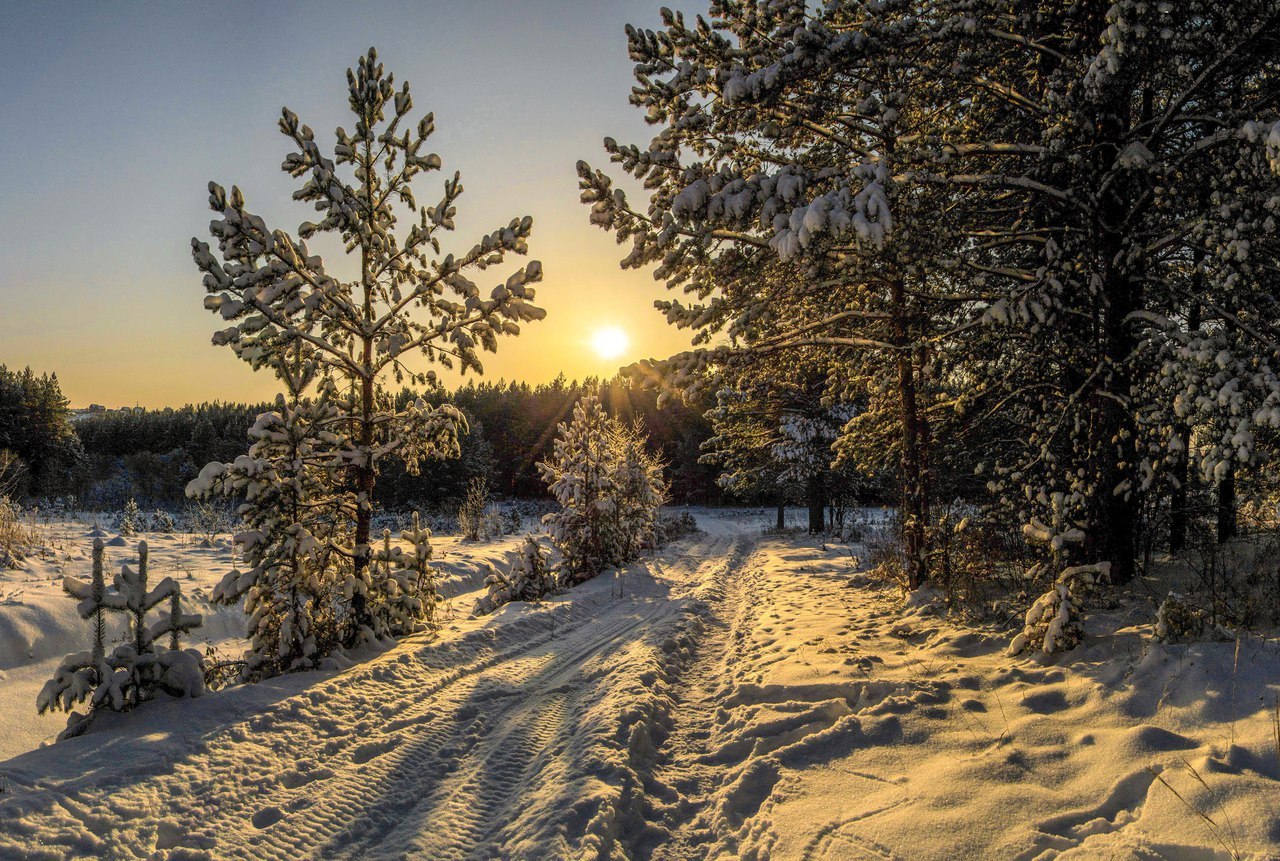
<point x="104" y="459"/>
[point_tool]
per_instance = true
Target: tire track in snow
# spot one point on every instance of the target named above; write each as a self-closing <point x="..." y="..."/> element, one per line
<point x="454" y="729"/>
<point x="425" y="750"/>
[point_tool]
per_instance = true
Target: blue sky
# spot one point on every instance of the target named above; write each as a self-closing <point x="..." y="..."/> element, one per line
<point x="116" y="116"/>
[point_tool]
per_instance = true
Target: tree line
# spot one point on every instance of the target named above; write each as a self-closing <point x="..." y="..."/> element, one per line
<point x="104" y="459"/>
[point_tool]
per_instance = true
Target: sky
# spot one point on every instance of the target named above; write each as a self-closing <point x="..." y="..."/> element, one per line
<point x="118" y="115"/>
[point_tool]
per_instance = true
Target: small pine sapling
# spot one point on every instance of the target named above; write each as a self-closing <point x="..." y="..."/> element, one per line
<point x="80" y="674"/>
<point x="512" y="522"/>
<point x="294" y="583"/>
<point x="529" y="578"/>
<point x="609" y="489"/>
<point x="1053" y="623"/>
<point x="130" y="519"/>
<point x="403" y="590"/>
<point x="478" y="519"/>
<point x="136" y="668"/>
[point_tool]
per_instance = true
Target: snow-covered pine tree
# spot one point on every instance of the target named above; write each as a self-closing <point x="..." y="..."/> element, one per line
<point x="778" y="202"/>
<point x="404" y="584"/>
<point x="295" y="521"/>
<point x="137" y="667"/>
<point x="81" y="673"/>
<point x="609" y="489"/>
<point x="774" y="425"/>
<point x="342" y="341"/>
<point x="640" y="488"/>
<point x="578" y="473"/>
<point x="129" y="519"/>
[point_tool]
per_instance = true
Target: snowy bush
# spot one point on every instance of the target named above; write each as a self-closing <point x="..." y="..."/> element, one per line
<point x="1053" y="622"/>
<point x="208" y="519"/>
<point x="130" y="519"/>
<point x="162" y="521"/>
<point x="138" y="667"/>
<point x="609" y="488"/>
<point x="674" y="527"/>
<point x="1176" y="620"/>
<point x="529" y="578"/>
<point x="478" y="518"/>
<point x="14" y="536"/>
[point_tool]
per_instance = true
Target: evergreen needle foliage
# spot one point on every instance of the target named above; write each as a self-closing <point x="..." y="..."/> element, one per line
<point x="312" y="580"/>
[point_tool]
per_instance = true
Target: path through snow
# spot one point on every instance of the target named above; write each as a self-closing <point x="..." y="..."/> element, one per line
<point x="732" y="697"/>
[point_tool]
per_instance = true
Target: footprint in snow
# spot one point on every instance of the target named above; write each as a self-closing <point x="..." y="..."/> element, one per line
<point x="266" y="817"/>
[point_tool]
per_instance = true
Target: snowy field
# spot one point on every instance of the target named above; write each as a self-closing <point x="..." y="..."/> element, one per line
<point x="738" y="695"/>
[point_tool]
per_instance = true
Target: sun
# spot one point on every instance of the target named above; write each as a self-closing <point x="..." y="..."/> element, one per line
<point x="610" y="342"/>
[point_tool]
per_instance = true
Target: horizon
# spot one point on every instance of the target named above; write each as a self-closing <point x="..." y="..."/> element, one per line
<point x="96" y="273"/>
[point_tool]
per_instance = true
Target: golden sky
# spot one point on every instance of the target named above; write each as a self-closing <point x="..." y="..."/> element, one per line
<point x="142" y="106"/>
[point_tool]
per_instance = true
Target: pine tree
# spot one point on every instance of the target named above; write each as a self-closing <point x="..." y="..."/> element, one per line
<point x="129" y="520"/>
<point x="404" y="588"/>
<point x="295" y="524"/>
<point x="610" y="491"/>
<point x="139" y="666"/>
<point x="338" y="343"/>
<point x="781" y="210"/>
<point x="35" y="427"/>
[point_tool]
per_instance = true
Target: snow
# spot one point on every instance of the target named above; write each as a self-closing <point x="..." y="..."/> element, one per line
<point x="736" y="694"/>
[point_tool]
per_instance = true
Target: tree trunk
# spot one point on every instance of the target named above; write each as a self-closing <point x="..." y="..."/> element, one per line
<point x="782" y="515"/>
<point x="817" y="504"/>
<point x="1113" y="514"/>
<point x="914" y="494"/>
<point x="365" y="475"/>
<point x="1227" y="526"/>
<point x="1178" y="513"/>
<point x="364" y="498"/>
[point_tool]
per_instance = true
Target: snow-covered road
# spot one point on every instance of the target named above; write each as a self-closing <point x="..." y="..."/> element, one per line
<point x="524" y="734"/>
<point x="736" y="696"/>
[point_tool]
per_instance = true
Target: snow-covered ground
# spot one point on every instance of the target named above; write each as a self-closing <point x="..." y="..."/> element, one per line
<point x="736" y="695"/>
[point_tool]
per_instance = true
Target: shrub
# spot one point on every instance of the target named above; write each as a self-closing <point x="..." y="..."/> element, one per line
<point x="478" y="518"/>
<point x="529" y="579"/>
<point x="1053" y="622"/>
<point x="15" y="537"/>
<point x="208" y="519"/>
<point x="674" y="527"/>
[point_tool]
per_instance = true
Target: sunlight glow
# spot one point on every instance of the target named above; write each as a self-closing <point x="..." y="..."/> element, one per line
<point x="610" y="342"/>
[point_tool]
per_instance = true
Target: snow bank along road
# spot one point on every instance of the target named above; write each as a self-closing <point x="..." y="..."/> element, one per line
<point x="733" y="697"/>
